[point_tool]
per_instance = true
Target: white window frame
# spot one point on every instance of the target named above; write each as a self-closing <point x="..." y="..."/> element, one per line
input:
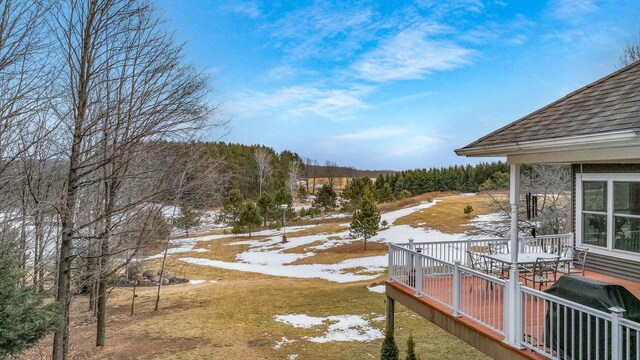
<point x="609" y="178"/>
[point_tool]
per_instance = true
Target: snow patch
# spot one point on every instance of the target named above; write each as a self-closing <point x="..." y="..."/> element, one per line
<point x="300" y="320"/>
<point x="281" y="343"/>
<point x="196" y="282"/>
<point x="340" y="327"/>
<point x="377" y="289"/>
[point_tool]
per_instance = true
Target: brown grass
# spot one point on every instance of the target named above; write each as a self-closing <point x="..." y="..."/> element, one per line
<point x="234" y="317"/>
<point x="415" y="200"/>
<point x="447" y="215"/>
<point x="343" y="252"/>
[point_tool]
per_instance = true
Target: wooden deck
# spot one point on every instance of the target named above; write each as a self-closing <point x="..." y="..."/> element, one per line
<point x="483" y="302"/>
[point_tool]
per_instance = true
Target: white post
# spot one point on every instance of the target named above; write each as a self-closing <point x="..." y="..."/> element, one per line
<point x="390" y="264"/>
<point x="418" y="274"/>
<point x="456" y="289"/>
<point x="616" y="336"/>
<point x="513" y="309"/>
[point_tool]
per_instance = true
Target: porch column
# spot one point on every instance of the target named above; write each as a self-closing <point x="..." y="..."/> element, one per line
<point x="513" y="314"/>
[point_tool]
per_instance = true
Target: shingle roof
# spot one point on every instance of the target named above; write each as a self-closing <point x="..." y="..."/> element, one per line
<point x="610" y="104"/>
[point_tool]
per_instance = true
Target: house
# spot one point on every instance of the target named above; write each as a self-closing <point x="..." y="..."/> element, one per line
<point x="595" y="130"/>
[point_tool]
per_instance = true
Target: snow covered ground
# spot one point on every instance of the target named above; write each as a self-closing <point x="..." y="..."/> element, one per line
<point x="340" y="327"/>
<point x="268" y="256"/>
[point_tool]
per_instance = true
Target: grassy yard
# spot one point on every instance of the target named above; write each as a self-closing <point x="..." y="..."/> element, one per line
<point x="448" y="216"/>
<point x="232" y="314"/>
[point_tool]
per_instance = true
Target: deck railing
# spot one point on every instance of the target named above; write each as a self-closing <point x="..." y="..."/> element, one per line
<point x="450" y="251"/>
<point x="551" y="326"/>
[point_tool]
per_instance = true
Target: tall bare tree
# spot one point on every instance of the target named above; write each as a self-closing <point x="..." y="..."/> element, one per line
<point x="295" y="172"/>
<point x="125" y="86"/>
<point x="263" y="160"/>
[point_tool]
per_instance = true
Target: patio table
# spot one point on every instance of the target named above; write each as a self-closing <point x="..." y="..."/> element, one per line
<point x="527" y="258"/>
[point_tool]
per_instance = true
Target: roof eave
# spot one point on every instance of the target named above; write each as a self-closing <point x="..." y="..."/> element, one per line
<point x="602" y="140"/>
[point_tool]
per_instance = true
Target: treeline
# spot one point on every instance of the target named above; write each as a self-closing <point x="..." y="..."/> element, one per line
<point x="484" y="176"/>
<point x="254" y="169"/>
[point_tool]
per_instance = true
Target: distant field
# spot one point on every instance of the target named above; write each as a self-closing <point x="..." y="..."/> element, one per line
<point x="448" y="216"/>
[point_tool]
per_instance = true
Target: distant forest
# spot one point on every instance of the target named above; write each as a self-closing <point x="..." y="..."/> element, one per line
<point x="484" y="176"/>
<point x="238" y="168"/>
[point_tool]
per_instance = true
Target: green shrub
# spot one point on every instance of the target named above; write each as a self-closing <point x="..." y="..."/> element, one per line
<point x="389" y="348"/>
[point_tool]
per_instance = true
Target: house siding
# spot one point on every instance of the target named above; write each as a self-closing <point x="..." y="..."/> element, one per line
<point x="609" y="265"/>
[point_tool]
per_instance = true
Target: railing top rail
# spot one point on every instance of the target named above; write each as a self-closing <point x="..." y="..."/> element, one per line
<point x="482" y="275"/>
<point x="540" y="237"/>
<point x="414" y="252"/>
<point x="565" y="302"/>
<point x="630" y="324"/>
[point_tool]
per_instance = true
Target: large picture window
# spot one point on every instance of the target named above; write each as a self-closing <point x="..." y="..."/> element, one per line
<point x="608" y="211"/>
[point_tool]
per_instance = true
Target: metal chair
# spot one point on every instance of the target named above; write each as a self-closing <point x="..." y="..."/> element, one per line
<point x="543" y="270"/>
<point x="501" y="247"/>
<point x="579" y="256"/>
<point x="479" y="262"/>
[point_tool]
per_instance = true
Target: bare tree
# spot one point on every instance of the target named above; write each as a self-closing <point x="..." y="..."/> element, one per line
<point x="124" y="87"/>
<point x="263" y="160"/>
<point x="630" y="54"/>
<point x="331" y="172"/>
<point x="295" y="171"/>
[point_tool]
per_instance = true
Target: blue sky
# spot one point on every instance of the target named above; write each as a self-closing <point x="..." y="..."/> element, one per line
<point x="393" y="84"/>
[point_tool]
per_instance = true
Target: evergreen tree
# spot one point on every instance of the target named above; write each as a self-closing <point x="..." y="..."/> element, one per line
<point x="188" y="218"/>
<point x="325" y="198"/>
<point x="302" y="193"/>
<point x="249" y="216"/>
<point x="411" y="349"/>
<point x="366" y="219"/>
<point x="232" y="205"/>
<point x="354" y="191"/>
<point x="267" y="206"/>
<point x="389" y="348"/>
<point x="282" y="195"/>
<point x="24" y="319"/>
<point x="384" y="194"/>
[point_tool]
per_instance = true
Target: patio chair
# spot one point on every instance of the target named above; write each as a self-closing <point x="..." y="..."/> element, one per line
<point x="479" y="262"/>
<point x="579" y="256"/>
<point x="543" y="271"/>
<point x="501" y="247"/>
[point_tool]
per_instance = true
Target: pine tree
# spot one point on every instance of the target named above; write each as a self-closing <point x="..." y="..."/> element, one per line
<point x="24" y="319"/>
<point x="325" y="198"/>
<point x="232" y="205"/>
<point x="411" y="349"/>
<point x="267" y="207"/>
<point x="249" y="216"/>
<point x="389" y="348"/>
<point x="188" y="218"/>
<point x="366" y="219"/>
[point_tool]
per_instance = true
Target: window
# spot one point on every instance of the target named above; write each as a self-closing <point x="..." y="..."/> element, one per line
<point x="626" y="215"/>
<point x="594" y="212"/>
<point x="608" y="209"/>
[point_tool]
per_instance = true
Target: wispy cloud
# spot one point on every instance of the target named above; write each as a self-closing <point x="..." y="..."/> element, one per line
<point x="572" y="9"/>
<point x="453" y="6"/>
<point x="411" y="54"/>
<point x="373" y="133"/>
<point x="324" y="30"/>
<point x="301" y="100"/>
<point x="249" y="9"/>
